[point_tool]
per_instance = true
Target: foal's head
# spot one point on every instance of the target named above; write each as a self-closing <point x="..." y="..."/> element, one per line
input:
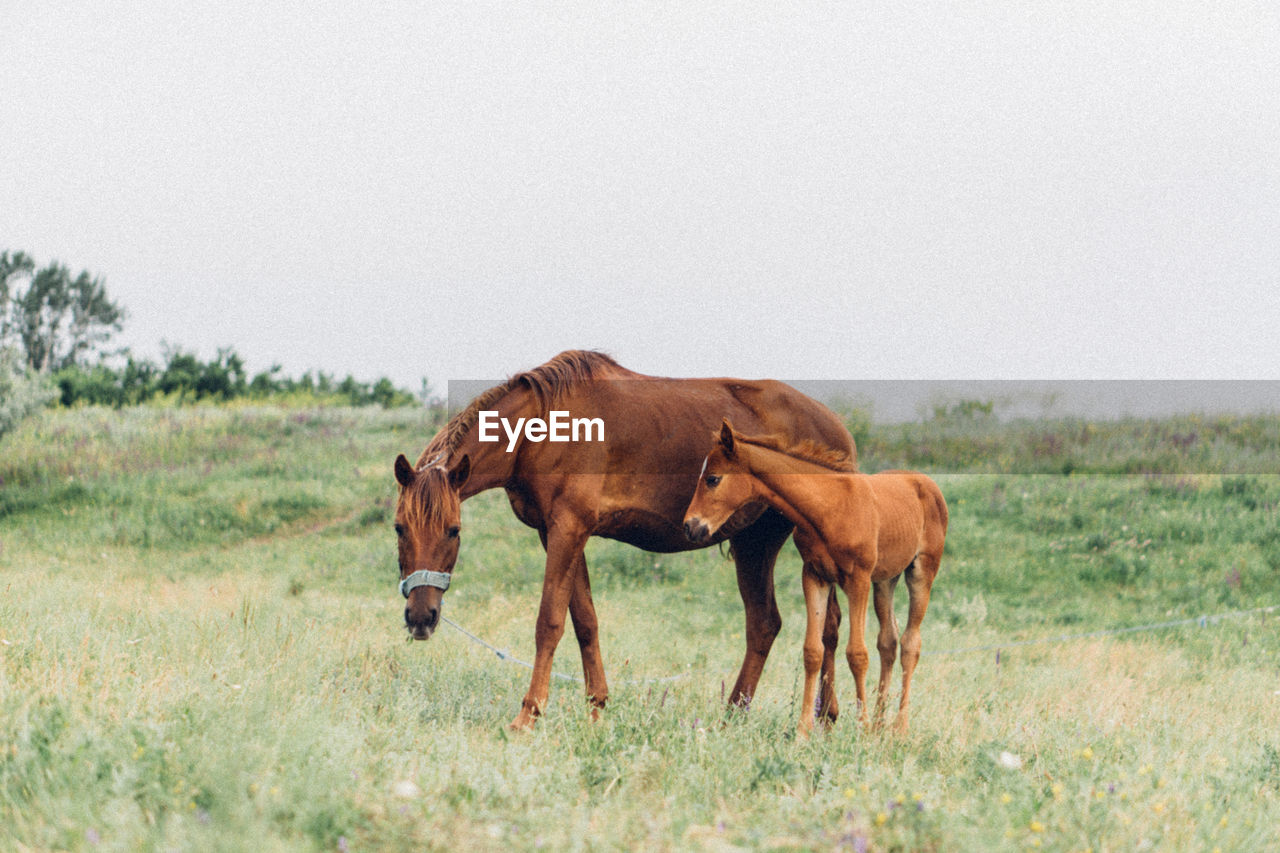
<point x="724" y="486"/>
<point x="428" y="519"/>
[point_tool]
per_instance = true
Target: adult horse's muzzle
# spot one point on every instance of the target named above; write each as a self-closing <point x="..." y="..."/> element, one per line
<point x="424" y="594"/>
<point x="697" y="530"/>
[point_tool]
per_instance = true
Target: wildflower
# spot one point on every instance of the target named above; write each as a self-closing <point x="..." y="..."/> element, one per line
<point x="1145" y="769"/>
<point x="1086" y="753"/>
<point x="881" y="818"/>
<point x="1223" y="822"/>
<point x="406" y="789"/>
<point x="1158" y="808"/>
<point x="342" y="844"/>
<point x="1037" y="826"/>
<point x="1056" y="790"/>
<point x="1006" y="798"/>
<point x="91" y="835"/>
<point x="1009" y="761"/>
<point x="848" y="793"/>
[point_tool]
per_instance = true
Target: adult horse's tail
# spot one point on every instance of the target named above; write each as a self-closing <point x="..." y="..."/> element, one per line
<point x="941" y="504"/>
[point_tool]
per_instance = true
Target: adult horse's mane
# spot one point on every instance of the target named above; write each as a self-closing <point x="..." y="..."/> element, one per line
<point x="546" y="381"/>
<point x="807" y="451"/>
<point x="429" y="501"/>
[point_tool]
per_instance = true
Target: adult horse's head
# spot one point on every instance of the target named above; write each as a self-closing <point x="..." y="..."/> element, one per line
<point x="723" y="487"/>
<point x="428" y="519"/>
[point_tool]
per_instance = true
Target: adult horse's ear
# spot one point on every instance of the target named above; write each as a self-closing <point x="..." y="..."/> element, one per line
<point x="404" y="471"/>
<point x="726" y="437"/>
<point x="460" y="472"/>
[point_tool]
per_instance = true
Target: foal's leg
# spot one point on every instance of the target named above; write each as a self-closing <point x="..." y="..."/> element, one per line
<point x="919" y="584"/>
<point x="887" y="642"/>
<point x="816" y="594"/>
<point x="857" y="585"/>
<point x="828" y="708"/>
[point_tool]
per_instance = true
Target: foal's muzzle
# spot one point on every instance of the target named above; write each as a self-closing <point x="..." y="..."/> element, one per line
<point x="697" y="530"/>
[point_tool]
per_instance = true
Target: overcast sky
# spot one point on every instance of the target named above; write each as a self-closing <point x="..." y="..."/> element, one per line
<point x="921" y="190"/>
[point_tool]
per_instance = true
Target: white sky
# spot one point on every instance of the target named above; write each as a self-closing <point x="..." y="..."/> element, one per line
<point x="923" y="190"/>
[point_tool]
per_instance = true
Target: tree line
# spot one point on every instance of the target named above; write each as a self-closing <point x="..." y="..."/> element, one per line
<point x="55" y="330"/>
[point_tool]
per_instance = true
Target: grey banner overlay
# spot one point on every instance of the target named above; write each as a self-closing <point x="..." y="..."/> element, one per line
<point x="1039" y="426"/>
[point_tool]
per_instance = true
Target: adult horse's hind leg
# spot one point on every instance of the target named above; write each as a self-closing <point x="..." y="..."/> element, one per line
<point x="582" y="611"/>
<point x="755" y="550"/>
<point x="886" y="642"/>
<point x="919" y="584"/>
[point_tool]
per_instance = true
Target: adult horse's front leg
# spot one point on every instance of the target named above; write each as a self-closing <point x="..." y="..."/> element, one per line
<point x="754" y="552"/>
<point x="565" y="539"/>
<point x="585" y="627"/>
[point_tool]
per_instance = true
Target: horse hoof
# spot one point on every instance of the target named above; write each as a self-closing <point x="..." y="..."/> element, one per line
<point x="522" y="723"/>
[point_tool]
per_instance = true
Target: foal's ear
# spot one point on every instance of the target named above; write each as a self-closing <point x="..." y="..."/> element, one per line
<point x="726" y="437"/>
<point x="404" y="472"/>
<point x="460" y="472"/>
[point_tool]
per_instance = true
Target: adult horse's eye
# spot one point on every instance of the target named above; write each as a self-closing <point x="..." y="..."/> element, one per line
<point x="712" y="480"/>
<point x="453" y="532"/>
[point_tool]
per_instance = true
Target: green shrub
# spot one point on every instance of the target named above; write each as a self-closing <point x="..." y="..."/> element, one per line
<point x="21" y="393"/>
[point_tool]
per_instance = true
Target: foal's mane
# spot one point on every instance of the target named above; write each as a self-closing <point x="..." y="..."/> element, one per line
<point x="547" y="382"/>
<point x="806" y="451"/>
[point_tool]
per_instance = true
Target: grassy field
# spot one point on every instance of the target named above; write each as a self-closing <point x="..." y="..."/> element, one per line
<point x="201" y="648"/>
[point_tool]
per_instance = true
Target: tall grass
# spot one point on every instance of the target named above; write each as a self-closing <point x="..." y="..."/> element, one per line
<point x="201" y="648"/>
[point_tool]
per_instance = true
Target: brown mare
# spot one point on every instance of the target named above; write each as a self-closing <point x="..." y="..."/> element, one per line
<point x="633" y="486"/>
<point x="851" y="529"/>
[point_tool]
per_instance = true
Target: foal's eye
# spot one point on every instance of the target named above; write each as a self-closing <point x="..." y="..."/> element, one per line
<point x="452" y="532"/>
<point x="400" y="530"/>
<point x="712" y="480"/>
